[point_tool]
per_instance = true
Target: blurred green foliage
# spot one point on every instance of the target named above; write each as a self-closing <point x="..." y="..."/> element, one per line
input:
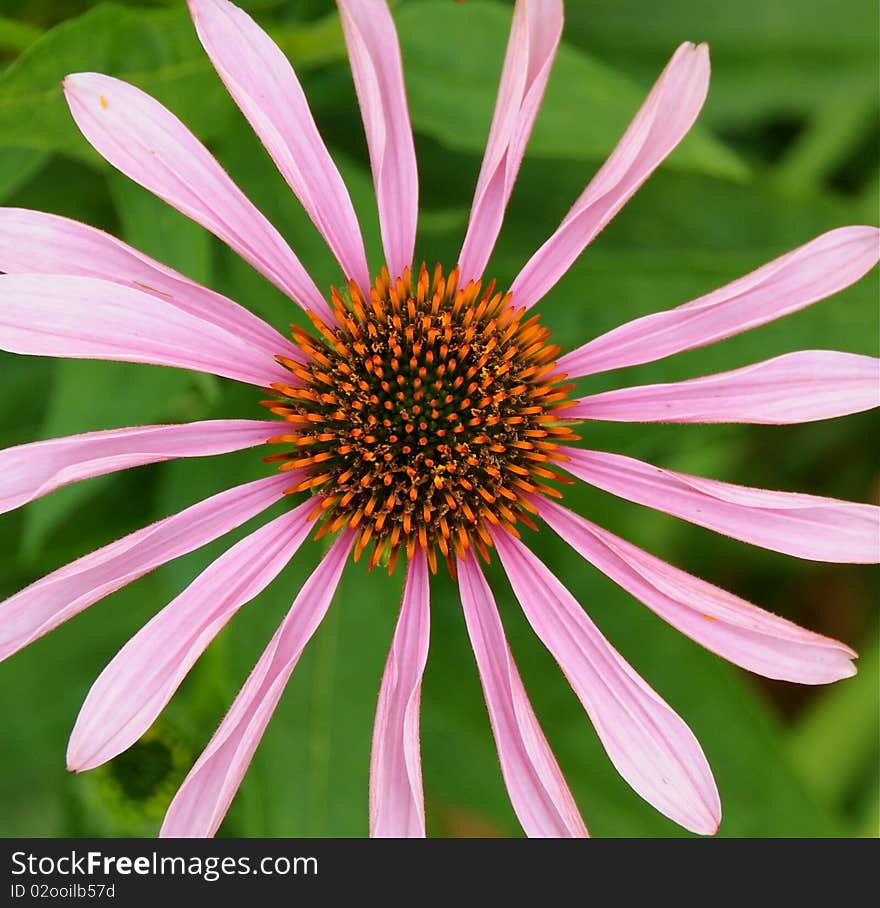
<point x="787" y="148"/>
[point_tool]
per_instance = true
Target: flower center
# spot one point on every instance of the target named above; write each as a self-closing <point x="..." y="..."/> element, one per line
<point x="427" y="413"/>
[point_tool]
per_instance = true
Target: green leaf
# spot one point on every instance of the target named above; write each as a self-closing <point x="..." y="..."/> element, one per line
<point x="786" y="57"/>
<point x="15" y="35"/>
<point x="155" y="49"/>
<point x="826" y="142"/>
<point x="17" y="166"/>
<point x="312" y="45"/>
<point x="453" y="59"/>
<point x="116" y="40"/>
<point x="50" y="681"/>
<point x="835" y="742"/>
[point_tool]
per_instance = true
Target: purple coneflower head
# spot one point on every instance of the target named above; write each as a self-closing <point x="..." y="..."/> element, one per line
<point x="423" y="420"/>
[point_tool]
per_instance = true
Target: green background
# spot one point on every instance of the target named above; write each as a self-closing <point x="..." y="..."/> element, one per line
<point x="786" y="149"/>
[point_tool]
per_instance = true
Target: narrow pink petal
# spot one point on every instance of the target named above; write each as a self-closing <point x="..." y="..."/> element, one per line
<point x="534" y="38"/>
<point x="264" y="85"/>
<point x="725" y="624"/>
<point x="797" y="387"/>
<point x="85" y="318"/>
<point x="46" y="603"/>
<point x="806" y="526"/>
<point x="147" y="143"/>
<point x="204" y="797"/>
<point x="397" y="802"/>
<point x="33" y="470"/>
<point x="664" y="119"/>
<point x="809" y="273"/>
<point x="650" y="746"/>
<point x="34" y="242"/>
<point x="135" y="687"/>
<point x="377" y="68"/>
<point x="540" y="797"/>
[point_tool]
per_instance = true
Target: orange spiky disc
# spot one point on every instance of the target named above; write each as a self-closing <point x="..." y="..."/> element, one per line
<point x="427" y="412"/>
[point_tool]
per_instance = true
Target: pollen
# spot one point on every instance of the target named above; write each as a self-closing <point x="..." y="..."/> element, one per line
<point x="425" y="415"/>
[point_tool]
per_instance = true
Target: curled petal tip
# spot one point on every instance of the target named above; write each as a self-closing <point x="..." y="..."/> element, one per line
<point x="849" y="652"/>
<point x="848" y="669"/>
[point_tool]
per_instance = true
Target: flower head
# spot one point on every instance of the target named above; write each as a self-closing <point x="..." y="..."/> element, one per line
<point x="426" y="417"/>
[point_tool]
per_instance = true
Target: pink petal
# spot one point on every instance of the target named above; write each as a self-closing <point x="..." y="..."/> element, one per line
<point x="397" y="802"/>
<point x="377" y="68"/>
<point x="204" y="797"/>
<point x="797" y="387"/>
<point x="147" y="143"/>
<point x="649" y="745"/>
<point x="723" y="623"/>
<point x="46" y="603"/>
<point x="538" y="792"/>
<point x="668" y="113"/>
<point x="806" y="526"/>
<point x="33" y="242"/>
<point x="534" y="38"/>
<point x="84" y="318"/>
<point x="811" y="272"/>
<point x="264" y="85"/>
<point x="33" y="470"/>
<point x="135" y="687"/>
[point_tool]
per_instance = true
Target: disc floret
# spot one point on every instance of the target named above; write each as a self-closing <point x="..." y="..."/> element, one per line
<point x="428" y="412"/>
